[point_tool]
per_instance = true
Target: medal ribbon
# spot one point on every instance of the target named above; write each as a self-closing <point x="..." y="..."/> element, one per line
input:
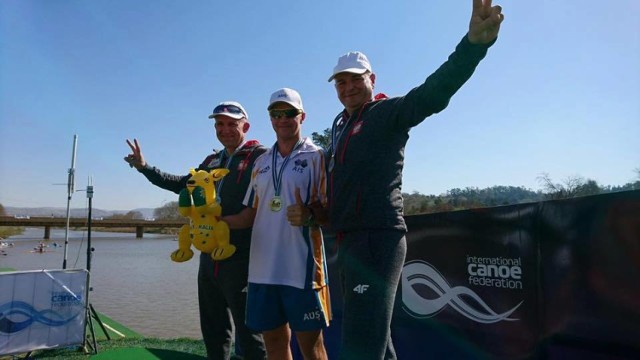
<point x="226" y="166"/>
<point x="336" y="134"/>
<point x="277" y="175"/>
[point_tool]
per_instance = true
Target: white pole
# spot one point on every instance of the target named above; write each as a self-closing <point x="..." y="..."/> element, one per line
<point x="70" y="189"/>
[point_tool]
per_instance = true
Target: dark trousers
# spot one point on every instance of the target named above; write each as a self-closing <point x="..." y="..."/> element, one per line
<point x="222" y="299"/>
<point x="371" y="264"/>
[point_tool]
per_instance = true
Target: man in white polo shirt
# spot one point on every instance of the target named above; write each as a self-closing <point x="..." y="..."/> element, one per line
<point x="288" y="288"/>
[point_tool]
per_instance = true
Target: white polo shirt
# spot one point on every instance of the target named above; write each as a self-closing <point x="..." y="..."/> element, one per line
<point x="282" y="254"/>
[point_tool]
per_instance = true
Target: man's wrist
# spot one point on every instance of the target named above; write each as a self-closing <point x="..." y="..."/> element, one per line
<point x="311" y="221"/>
<point x="143" y="167"/>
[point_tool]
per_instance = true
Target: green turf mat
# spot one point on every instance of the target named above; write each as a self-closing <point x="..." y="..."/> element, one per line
<point x="114" y="328"/>
<point x="145" y="353"/>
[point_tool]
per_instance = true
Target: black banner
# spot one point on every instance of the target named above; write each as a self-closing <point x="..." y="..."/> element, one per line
<point x="555" y="279"/>
<point x="471" y="276"/>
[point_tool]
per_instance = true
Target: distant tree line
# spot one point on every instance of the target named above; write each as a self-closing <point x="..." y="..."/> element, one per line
<point x="6" y="231"/>
<point x="578" y="186"/>
<point x="469" y="197"/>
<point x="168" y="211"/>
<point x="454" y="199"/>
<point x="133" y="214"/>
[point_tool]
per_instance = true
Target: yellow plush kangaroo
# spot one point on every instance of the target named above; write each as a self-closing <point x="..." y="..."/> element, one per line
<point x="206" y="232"/>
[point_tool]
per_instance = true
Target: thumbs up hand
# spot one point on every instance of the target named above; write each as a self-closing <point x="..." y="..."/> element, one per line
<point x="298" y="213"/>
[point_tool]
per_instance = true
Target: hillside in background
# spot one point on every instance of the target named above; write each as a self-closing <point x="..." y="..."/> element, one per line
<point x="414" y="203"/>
<point x="77" y="212"/>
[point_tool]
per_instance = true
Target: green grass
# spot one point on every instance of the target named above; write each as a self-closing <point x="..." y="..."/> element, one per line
<point x="115" y="329"/>
<point x="6" y="231"/>
<point x="132" y="348"/>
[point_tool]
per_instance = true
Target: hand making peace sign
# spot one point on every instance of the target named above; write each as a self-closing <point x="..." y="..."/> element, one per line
<point x="135" y="159"/>
<point x="485" y="22"/>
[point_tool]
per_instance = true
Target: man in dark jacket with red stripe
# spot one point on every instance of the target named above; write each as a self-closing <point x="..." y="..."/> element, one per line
<point x="365" y="179"/>
<point x="221" y="284"/>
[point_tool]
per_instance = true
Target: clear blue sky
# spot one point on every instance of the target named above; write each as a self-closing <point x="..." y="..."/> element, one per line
<point x="558" y="93"/>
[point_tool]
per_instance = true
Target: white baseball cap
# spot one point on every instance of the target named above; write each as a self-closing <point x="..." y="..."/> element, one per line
<point x="288" y="96"/>
<point x="352" y="62"/>
<point x="231" y="109"/>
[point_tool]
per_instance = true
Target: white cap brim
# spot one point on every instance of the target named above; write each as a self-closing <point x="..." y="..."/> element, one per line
<point x="221" y="109"/>
<point x="235" y="116"/>
<point x="295" y="106"/>
<point x="358" y="71"/>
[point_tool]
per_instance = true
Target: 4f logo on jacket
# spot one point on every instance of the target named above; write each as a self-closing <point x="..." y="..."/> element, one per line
<point x="360" y="288"/>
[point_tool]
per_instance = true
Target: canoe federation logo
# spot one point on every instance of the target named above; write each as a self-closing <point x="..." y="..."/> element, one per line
<point x="16" y="316"/>
<point x="420" y="276"/>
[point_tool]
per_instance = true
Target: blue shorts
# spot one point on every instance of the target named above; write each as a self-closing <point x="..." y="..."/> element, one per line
<point x="271" y="306"/>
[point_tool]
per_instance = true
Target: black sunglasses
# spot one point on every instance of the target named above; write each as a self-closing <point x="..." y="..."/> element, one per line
<point x="229" y="109"/>
<point x="288" y="113"/>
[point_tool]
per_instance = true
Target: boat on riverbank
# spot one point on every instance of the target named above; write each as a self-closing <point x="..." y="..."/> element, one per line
<point x="4" y="244"/>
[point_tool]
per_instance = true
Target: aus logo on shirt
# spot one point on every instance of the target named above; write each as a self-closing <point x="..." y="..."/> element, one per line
<point x="312" y="315"/>
<point x="300" y="165"/>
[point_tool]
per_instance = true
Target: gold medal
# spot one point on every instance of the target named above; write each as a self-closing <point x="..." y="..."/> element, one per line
<point x="276" y="203"/>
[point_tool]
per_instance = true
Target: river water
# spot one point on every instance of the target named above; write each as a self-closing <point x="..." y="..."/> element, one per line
<point x="134" y="281"/>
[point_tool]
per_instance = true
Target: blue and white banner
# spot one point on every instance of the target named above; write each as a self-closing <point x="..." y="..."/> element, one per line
<point x="42" y="309"/>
